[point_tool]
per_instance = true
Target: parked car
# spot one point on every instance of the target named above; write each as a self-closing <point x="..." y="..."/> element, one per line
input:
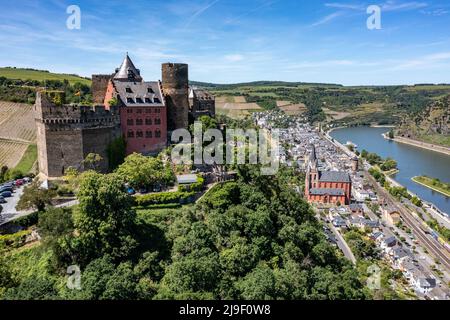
<point x="3" y="189"/>
<point x="6" y="194"/>
<point x="8" y="184"/>
<point x="27" y="179"/>
<point x="143" y="191"/>
<point x="19" y="182"/>
<point x="130" y="191"/>
<point x="2" y="200"/>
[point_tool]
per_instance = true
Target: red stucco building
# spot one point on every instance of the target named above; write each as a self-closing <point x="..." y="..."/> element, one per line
<point x="142" y="108"/>
<point x="328" y="187"/>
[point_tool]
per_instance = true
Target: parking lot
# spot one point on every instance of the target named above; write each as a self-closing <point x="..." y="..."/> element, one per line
<point x="9" y="208"/>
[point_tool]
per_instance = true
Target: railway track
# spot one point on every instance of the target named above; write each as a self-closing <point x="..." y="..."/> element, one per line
<point x="433" y="246"/>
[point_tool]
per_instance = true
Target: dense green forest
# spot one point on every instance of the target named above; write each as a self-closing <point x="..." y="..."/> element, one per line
<point x="250" y="239"/>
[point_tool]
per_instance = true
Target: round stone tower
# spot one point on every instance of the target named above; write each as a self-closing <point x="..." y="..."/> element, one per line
<point x="175" y="84"/>
<point x="355" y="164"/>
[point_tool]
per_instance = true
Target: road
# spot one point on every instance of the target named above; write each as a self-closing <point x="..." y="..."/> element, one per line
<point x="433" y="246"/>
<point x="342" y="244"/>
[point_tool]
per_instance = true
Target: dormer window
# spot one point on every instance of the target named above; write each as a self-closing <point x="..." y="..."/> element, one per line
<point x="150" y="90"/>
<point x="148" y="100"/>
<point x="156" y="100"/>
<point x="128" y="90"/>
<point x="139" y="100"/>
<point x="130" y="100"/>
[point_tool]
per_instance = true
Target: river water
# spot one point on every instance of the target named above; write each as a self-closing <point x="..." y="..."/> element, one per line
<point x="412" y="161"/>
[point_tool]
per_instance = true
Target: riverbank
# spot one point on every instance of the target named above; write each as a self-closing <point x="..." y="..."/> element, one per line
<point x="420" y="144"/>
<point x="411" y="162"/>
<point x="423" y="181"/>
<point x="371" y="126"/>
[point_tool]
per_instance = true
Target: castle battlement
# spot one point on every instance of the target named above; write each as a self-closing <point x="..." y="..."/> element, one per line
<point x="71" y="115"/>
<point x="67" y="133"/>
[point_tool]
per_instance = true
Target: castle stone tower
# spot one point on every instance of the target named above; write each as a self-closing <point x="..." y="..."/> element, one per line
<point x="66" y="134"/>
<point x="355" y="164"/>
<point x="99" y="86"/>
<point x="175" y="83"/>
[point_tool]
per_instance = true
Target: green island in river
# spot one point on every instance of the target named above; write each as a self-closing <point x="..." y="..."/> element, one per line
<point x="433" y="184"/>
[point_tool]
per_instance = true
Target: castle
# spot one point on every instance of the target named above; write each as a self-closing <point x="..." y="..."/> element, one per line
<point x="328" y="187"/>
<point x="124" y="106"/>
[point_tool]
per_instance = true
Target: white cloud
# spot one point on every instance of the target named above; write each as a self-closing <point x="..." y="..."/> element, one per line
<point x="327" y="19"/>
<point x="390" y="5"/>
<point x="436" y="12"/>
<point x="428" y="61"/>
<point x="200" y="12"/>
<point x="405" y="6"/>
<point x="338" y="5"/>
<point x="234" y="57"/>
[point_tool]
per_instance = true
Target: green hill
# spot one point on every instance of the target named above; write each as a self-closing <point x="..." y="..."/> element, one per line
<point x="261" y="84"/>
<point x="40" y="75"/>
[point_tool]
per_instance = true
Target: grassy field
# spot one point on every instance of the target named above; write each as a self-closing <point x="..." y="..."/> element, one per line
<point x="26" y="74"/>
<point x="28" y="159"/>
<point x="434" y="184"/>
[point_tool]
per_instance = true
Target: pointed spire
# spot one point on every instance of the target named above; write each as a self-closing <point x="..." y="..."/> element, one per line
<point x="312" y="157"/>
<point x="127" y="71"/>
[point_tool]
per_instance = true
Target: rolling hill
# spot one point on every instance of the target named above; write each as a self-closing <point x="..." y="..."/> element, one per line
<point x="40" y="75"/>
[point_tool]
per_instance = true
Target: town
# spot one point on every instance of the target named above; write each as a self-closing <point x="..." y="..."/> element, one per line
<point x="364" y="208"/>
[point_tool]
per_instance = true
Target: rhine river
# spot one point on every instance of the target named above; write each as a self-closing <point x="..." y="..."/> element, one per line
<point x="412" y="161"/>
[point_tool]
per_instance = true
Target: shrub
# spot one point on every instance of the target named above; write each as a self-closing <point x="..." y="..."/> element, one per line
<point x="164" y="198"/>
<point x="14" y="240"/>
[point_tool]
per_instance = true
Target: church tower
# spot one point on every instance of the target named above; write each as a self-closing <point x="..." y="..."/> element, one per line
<point x="312" y="174"/>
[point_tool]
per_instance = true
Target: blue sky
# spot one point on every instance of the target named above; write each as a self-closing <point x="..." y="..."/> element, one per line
<point x="228" y="41"/>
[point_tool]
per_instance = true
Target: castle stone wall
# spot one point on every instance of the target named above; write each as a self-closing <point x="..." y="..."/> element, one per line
<point x="68" y="133"/>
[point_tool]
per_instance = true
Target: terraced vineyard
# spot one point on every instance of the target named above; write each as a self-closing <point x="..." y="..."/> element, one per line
<point x="11" y="152"/>
<point x="17" y="122"/>
<point x="17" y="132"/>
<point x="235" y="107"/>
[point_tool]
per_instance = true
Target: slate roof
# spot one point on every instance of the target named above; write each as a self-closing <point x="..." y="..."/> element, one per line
<point x="427" y="282"/>
<point x="313" y="153"/>
<point x="400" y="253"/>
<point x="334" y="176"/>
<point x="356" y="207"/>
<point x="187" y="178"/>
<point x="390" y="241"/>
<point x="327" y="191"/>
<point x="127" y="71"/>
<point x="140" y="90"/>
<point x="202" y="94"/>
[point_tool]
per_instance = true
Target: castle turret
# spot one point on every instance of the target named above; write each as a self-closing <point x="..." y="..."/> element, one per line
<point x="127" y="71"/>
<point x="175" y="82"/>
